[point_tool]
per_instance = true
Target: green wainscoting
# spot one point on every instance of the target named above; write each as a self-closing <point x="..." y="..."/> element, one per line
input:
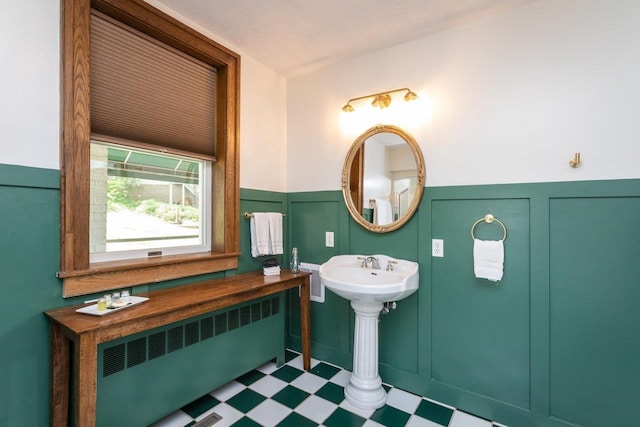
<point x="594" y="316"/>
<point x="480" y="330"/>
<point x="311" y="215"/>
<point x="555" y="343"/>
<point x="552" y="344"/>
<point x="29" y="260"/>
<point x="258" y="201"/>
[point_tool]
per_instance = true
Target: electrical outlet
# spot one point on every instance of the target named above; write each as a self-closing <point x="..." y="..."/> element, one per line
<point x="437" y="248"/>
<point x="328" y="239"/>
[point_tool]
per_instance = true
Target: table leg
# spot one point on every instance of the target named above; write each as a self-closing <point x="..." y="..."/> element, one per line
<point x="86" y="367"/>
<point x="60" y="369"/>
<point x="305" y="322"/>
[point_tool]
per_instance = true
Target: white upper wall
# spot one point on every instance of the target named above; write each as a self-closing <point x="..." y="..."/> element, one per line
<point x="30" y="88"/>
<point x="30" y="97"/>
<point x="514" y="96"/>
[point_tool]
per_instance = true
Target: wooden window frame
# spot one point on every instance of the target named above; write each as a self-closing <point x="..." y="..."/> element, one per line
<point x="78" y="275"/>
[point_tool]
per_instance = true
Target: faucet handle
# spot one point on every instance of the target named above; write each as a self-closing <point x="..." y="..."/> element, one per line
<point x="390" y="265"/>
<point x="364" y="261"/>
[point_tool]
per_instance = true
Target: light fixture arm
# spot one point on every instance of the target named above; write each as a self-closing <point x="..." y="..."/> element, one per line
<point x="408" y="96"/>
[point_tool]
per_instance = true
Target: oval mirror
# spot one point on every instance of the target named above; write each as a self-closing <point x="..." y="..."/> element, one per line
<point x="383" y="178"/>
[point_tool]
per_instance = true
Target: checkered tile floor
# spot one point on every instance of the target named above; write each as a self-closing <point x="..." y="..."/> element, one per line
<point x="290" y="397"/>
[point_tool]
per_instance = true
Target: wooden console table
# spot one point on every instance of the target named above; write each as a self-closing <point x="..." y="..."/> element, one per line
<point x="164" y="306"/>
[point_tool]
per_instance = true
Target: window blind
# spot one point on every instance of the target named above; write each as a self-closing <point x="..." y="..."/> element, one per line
<point x="147" y="92"/>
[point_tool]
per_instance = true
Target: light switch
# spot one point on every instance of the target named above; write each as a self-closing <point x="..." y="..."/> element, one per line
<point x="437" y="248"/>
<point x="328" y="239"/>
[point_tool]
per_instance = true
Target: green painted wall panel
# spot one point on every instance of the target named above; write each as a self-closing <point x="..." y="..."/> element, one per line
<point x="480" y="329"/>
<point x="402" y="243"/>
<point x="29" y="260"/>
<point x="518" y="318"/>
<point x="259" y="201"/>
<point x="398" y="336"/>
<point x="582" y="348"/>
<point x="595" y="278"/>
<point x="20" y="176"/>
<point x="309" y="221"/>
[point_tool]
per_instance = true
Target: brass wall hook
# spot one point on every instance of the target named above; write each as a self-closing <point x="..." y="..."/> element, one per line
<point x="575" y="162"/>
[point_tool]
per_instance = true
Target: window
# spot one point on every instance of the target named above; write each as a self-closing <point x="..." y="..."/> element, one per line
<point x="144" y="203"/>
<point x="122" y="150"/>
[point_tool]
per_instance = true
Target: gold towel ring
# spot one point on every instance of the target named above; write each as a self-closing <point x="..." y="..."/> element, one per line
<point x="488" y="218"/>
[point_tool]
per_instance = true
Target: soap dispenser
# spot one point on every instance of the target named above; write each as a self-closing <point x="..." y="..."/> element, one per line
<point x="295" y="266"/>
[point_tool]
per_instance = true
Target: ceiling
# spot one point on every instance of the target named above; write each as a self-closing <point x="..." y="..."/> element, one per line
<point x="297" y="36"/>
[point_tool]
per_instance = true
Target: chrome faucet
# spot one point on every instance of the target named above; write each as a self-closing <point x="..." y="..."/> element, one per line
<point x="374" y="262"/>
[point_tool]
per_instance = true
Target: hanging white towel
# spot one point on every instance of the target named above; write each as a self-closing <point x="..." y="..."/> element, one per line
<point x="488" y="259"/>
<point x="275" y="233"/>
<point x="382" y="212"/>
<point x="260" y="241"/>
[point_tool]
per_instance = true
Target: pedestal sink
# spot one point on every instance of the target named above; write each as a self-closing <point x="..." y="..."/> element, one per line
<point x="353" y="278"/>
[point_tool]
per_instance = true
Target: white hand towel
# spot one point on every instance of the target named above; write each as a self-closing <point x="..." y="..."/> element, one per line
<point x="488" y="259"/>
<point x="260" y="242"/>
<point x="382" y="212"/>
<point x="275" y="233"/>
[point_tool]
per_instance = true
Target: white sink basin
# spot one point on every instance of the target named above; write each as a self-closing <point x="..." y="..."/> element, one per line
<point x="345" y="276"/>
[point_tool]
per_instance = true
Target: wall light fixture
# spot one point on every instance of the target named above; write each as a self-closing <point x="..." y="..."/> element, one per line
<point x="381" y="100"/>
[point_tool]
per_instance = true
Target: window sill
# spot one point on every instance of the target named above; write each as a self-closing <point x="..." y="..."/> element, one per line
<point x="106" y="276"/>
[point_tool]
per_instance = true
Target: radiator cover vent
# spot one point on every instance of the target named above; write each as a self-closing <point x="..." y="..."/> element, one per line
<point x="191" y="333"/>
<point x="118" y="357"/>
<point x="157" y="345"/>
<point x="114" y="358"/>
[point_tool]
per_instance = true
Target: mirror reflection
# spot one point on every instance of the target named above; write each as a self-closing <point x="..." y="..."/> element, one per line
<point x="383" y="178"/>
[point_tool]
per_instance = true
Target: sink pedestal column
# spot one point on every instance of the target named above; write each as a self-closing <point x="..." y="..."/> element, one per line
<point x="365" y="389"/>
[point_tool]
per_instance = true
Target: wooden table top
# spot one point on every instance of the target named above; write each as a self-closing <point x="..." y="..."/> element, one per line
<point x="176" y="303"/>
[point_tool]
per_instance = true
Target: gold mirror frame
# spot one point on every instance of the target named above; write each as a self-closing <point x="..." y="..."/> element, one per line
<point x="354" y="155"/>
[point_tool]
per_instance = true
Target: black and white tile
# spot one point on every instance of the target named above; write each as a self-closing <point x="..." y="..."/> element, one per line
<point x="290" y="397"/>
